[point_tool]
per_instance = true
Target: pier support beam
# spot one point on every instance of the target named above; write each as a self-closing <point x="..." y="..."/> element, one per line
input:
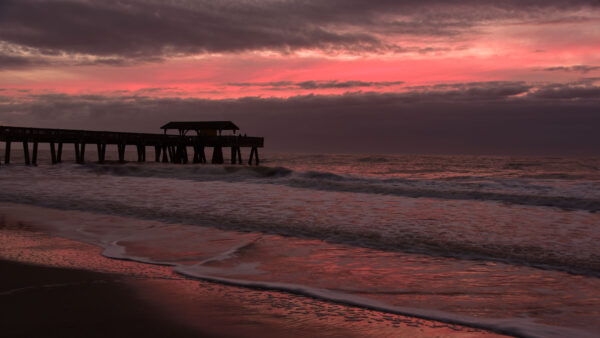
<point x="172" y="154"/>
<point x="59" y="153"/>
<point x="253" y="154"/>
<point x="121" y="149"/>
<point x="77" y="158"/>
<point x="7" y="153"/>
<point x="34" y="153"/>
<point x="199" y="156"/>
<point x="217" y="157"/>
<point x="26" y="152"/>
<point x="79" y="152"/>
<point x="236" y="155"/>
<point x="202" y="155"/>
<point x="101" y="152"/>
<point x="165" y="156"/>
<point x="156" y="153"/>
<point x="53" y="153"/>
<point x="141" y="152"/>
<point x="233" y="155"/>
<point x="181" y="155"/>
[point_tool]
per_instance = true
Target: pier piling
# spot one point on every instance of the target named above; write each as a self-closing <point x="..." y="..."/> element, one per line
<point x="217" y="157"/>
<point x="59" y="153"/>
<point x="101" y="152"/>
<point x="253" y="154"/>
<point x="140" y="150"/>
<point x="76" y="147"/>
<point x="26" y="152"/>
<point x="165" y="157"/>
<point x="233" y="155"/>
<point x="53" y="153"/>
<point x="121" y="150"/>
<point x="156" y="153"/>
<point x="7" y="152"/>
<point x="34" y="153"/>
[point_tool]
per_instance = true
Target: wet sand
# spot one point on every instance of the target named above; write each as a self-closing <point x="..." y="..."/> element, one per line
<point x="54" y="287"/>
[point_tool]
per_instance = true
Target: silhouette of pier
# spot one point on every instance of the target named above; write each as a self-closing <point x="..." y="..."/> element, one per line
<point x="167" y="148"/>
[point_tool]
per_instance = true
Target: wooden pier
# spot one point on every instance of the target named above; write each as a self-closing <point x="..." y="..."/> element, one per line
<point x="167" y="148"/>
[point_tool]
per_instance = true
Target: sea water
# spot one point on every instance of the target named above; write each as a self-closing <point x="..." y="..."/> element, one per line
<point x="504" y="243"/>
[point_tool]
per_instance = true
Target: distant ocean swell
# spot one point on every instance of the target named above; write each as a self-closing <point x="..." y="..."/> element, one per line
<point x="521" y="193"/>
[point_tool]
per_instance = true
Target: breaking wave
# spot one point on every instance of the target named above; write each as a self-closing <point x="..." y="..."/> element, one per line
<point x="506" y="190"/>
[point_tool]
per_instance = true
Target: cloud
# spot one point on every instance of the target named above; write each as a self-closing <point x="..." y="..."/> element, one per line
<point x="140" y="30"/>
<point x="19" y="57"/>
<point x="15" y="62"/>
<point x="492" y="118"/>
<point x="578" y="69"/>
<point x="567" y="91"/>
<point x="312" y="85"/>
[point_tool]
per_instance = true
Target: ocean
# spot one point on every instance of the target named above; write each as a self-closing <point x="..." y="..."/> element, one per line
<point x="508" y="244"/>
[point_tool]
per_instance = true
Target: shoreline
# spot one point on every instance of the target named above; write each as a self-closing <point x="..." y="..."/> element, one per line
<point x="171" y="303"/>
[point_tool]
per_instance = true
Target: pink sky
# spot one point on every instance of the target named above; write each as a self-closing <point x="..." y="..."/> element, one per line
<point x="494" y="50"/>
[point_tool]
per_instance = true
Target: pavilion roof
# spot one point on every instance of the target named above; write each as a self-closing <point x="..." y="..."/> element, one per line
<point x="201" y="125"/>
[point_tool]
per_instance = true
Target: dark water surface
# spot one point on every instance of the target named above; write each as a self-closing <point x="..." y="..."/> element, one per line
<point x="503" y="243"/>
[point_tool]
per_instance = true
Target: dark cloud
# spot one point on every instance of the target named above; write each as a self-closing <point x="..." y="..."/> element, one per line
<point x="344" y="84"/>
<point x="492" y="118"/>
<point x="578" y="69"/>
<point x="139" y="30"/>
<point x="34" y="58"/>
<point x="568" y="91"/>
<point x="16" y="62"/>
<point x="312" y="85"/>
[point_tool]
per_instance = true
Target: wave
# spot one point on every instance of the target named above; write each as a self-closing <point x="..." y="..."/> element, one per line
<point x="374" y="159"/>
<point x="328" y="181"/>
<point x="542" y="255"/>
<point x="521" y="165"/>
<point x="554" y="176"/>
<point x="204" y="173"/>
<point x="512" y="326"/>
<point x="388" y="187"/>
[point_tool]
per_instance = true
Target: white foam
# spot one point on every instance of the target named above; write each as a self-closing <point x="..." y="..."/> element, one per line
<point x="513" y="326"/>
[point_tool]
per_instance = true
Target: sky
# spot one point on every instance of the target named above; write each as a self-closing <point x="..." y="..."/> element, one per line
<point x="512" y="77"/>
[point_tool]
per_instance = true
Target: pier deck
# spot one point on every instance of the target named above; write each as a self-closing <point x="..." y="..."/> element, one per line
<point x="167" y="148"/>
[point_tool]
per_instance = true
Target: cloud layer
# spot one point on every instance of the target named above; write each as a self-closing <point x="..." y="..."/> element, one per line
<point x="138" y="29"/>
<point x="492" y="118"/>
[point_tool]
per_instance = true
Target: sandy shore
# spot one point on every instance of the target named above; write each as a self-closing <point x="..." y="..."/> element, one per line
<point x="54" y="287"/>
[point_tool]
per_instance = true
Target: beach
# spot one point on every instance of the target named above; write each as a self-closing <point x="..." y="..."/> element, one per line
<point x="55" y="287"/>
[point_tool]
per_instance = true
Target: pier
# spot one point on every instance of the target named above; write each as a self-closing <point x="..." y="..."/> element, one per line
<point x="167" y="148"/>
